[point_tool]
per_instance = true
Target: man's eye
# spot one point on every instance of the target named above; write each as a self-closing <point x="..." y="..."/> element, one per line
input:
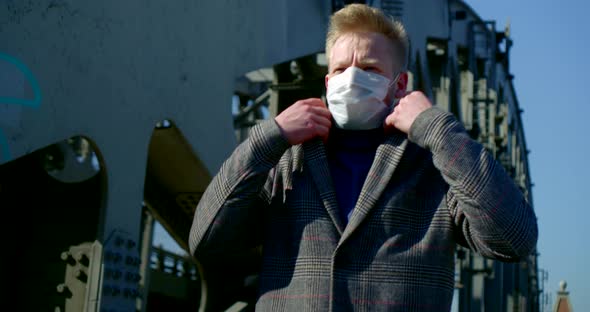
<point x="338" y="70"/>
<point x="372" y="69"/>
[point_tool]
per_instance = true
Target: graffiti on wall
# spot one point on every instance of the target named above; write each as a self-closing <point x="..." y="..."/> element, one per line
<point x="15" y="78"/>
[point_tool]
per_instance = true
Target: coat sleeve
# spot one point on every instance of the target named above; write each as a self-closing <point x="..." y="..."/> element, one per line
<point x="228" y="216"/>
<point x="489" y="211"/>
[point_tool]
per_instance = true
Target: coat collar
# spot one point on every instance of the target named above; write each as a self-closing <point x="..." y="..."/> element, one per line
<point x="386" y="161"/>
<point x="387" y="158"/>
<point x="314" y="152"/>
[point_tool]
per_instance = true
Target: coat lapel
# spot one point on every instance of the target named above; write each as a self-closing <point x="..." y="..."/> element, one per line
<point x="317" y="163"/>
<point x="386" y="161"/>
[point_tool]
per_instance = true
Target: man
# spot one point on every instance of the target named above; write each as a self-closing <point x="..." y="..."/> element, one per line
<point x="359" y="205"/>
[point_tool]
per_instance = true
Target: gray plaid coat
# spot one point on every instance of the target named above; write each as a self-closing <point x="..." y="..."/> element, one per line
<point x="424" y="193"/>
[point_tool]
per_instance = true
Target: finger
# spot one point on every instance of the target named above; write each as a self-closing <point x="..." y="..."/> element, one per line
<point x="390" y="124"/>
<point x="320" y="120"/>
<point x="325" y="137"/>
<point x="322" y="131"/>
<point x="400" y="94"/>
<point x="405" y="95"/>
<point x="314" y="102"/>
<point x="390" y="120"/>
<point x="321" y="112"/>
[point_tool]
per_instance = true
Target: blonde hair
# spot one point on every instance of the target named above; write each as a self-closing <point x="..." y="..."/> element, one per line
<point x="362" y="18"/>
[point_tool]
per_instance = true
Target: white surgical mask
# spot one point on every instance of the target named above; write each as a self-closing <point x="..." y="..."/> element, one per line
<point x="356" y="99"/>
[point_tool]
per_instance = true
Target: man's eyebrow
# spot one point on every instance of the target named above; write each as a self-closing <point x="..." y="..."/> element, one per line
<point x="338" y="64"/>
<point x="369" y="61"/>
<point x="365" y="61"/>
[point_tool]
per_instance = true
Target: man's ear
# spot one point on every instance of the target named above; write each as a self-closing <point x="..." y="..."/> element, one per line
<point x="401" y="85"/>
<point x="326" y="81"/>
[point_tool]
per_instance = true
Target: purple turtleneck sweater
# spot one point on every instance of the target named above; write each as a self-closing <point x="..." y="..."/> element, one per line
<point x="350" y="156"/>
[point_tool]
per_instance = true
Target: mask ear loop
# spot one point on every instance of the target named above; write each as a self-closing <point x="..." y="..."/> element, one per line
<point x="394" y="99"/>
<point x="394" y="81"/>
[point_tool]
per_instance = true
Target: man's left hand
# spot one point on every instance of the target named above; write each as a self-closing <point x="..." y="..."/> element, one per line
<point x="406" y="111"/>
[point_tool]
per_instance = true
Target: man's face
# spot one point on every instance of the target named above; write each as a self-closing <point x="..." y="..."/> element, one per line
<point x="369" y="51"/>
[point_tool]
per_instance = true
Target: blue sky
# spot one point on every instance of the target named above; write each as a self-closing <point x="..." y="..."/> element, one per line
<point x="550" y="62"/>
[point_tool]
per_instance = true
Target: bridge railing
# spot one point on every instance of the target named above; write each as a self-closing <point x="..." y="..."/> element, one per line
<point x="170" y="263"/>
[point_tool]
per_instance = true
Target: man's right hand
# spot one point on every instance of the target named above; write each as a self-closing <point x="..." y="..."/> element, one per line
<point x="304" y="120"/>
